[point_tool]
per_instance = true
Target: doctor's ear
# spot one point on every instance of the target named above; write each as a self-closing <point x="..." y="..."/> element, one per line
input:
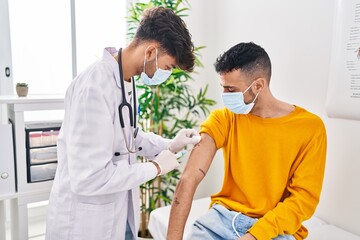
<point x="150" y="52"/>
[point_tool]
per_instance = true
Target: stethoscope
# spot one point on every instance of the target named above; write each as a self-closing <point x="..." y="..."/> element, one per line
<point x="132" y="112"/>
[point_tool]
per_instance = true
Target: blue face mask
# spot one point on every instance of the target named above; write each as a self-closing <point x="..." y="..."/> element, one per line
<point x="234" y="101"/>
<point x="159" y="77"/>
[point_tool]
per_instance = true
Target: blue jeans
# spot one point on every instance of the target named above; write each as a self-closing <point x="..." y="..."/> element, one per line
<point x="219" y="223"/>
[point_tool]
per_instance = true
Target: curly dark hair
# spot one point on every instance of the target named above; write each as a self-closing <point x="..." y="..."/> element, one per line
<point x="169" y="30"/>
<point x="248" y="57"/>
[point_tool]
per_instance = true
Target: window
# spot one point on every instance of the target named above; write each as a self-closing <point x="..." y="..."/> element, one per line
<point x="41" y="39"/>
<point x="99" y="24"/>
<point x="42" y="42"/>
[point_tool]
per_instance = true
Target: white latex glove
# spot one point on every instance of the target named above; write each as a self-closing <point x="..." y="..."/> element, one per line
<point x="183" y="138"/>
<point x="166" y="161"/>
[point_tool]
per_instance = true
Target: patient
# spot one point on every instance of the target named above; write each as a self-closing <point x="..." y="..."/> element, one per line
<point x="274" y="158"/>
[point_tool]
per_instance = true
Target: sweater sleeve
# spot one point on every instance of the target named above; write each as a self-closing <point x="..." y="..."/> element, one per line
<point x="301" y="195"/>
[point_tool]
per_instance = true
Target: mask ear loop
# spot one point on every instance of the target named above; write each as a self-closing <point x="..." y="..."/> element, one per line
<point x="257" y="94"/>
<point x="256" y="97"/>
<point x="145" y="62"/>
<point x="156" y="57"/>
<point x="248" y="87"/>
<point x="156" y="62"/>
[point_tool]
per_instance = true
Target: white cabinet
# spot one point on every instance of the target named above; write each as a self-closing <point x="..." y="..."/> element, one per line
<point x="7" y="171"/>
<point x="26" y="192"/>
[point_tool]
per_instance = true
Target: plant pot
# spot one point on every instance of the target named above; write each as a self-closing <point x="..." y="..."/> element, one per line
<point x="22" y="91"/>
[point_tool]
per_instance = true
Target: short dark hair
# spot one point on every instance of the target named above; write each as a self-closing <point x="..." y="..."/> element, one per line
<point x="248" y="57"/>
<point x="169" y="30"/>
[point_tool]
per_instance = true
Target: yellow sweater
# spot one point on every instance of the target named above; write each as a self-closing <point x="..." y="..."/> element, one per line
<point x="274" y="168"/>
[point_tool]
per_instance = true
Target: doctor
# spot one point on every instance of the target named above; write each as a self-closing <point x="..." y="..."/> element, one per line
<point x="95" y="194"/>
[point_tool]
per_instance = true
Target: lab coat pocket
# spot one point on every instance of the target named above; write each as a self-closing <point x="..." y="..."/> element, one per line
<point x="93" y="221"/>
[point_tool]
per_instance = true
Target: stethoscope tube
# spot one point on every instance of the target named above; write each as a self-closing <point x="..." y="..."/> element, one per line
<point x="124" y="103"/>
<point x="132" y="111"/>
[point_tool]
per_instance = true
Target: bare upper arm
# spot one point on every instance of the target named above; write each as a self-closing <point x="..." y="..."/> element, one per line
<point x="200" y="158"/>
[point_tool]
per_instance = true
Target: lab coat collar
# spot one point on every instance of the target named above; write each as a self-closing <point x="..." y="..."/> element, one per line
<point x="108" y="56"/>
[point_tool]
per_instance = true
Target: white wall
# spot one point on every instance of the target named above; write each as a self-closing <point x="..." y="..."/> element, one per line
<point x="6" y="82"/>
<point x="202" y="24"/>
<point x="297" y="35"/>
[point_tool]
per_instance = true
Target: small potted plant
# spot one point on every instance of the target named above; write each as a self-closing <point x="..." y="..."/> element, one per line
<point x="22" y="89"/>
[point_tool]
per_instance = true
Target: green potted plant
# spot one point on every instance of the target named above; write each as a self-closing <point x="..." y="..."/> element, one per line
<point x="22" y="89"/>
<point x="165" y="109"/>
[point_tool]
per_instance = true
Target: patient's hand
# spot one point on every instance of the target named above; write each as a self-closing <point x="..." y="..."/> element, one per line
<point x="247" y="236"/>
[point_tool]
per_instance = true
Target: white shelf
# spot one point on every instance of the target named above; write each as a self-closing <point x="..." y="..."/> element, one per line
<point x="8" y="196"/>
<point x="14" y="99"/>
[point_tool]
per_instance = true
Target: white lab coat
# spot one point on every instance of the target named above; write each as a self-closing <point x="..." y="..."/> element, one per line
<point x="96" y="193"/>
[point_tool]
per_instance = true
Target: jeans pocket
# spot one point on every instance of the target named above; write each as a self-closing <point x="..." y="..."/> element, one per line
<point x="243" y="223"/>
<point x="93" y="222"/>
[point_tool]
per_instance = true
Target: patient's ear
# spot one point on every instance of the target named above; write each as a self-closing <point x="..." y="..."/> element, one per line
<point x="259" y="85"/>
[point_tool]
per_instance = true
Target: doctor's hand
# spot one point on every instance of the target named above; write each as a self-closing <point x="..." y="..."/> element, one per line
<point x="165" y="162"/>
<point x="183" y="138"/>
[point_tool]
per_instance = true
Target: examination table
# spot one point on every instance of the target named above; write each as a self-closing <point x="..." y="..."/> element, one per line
<point x="318" y="229"/>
